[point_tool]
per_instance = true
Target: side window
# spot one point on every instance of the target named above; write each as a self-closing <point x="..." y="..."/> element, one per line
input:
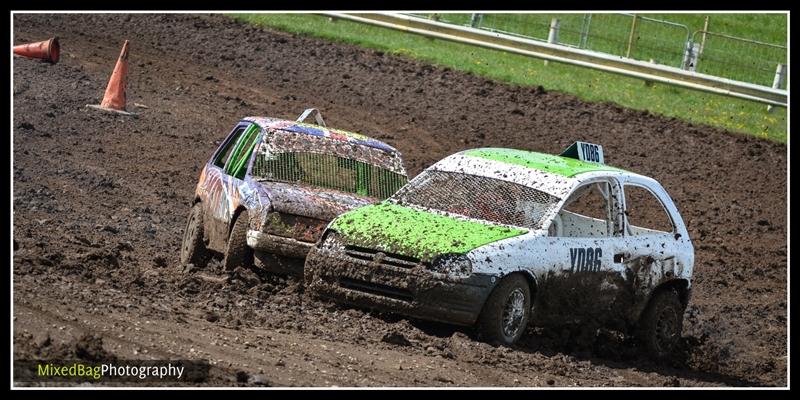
<point x="236" y="165"/>
<point x="645" y="213"/>
<point x="585" y="213"/>
<point x="225" y="153"/>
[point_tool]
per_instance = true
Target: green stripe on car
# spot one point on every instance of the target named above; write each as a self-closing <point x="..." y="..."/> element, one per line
<point x="563" y="166"/>
<point x="416" y="233"/>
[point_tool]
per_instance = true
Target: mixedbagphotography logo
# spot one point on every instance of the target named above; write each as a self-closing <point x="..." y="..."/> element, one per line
<point x="79" y="371"/>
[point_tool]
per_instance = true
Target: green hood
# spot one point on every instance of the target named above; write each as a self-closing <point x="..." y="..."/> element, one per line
<point x="411" y="232"/>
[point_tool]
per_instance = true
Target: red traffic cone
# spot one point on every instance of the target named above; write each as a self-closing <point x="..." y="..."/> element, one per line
<point x="47" y="50"/>
<point x="114" y="98"/>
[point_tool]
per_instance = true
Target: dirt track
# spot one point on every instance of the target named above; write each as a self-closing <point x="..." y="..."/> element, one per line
<point x="100" y="203"/>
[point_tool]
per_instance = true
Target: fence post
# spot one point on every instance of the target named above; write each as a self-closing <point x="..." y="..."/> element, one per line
<point x="691" y="56"/>
<point x="587" y="19"/>
<point x="647" y="82"/>
<point x="632" y="36"/>
<point x="475" y="20"/>
<point x="705" y="30"/>
<point x="552" y="37"/>
<point x="780" y="75"/>
<point x="687" y="55"/>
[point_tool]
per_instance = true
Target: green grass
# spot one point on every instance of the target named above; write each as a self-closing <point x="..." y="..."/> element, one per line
<point x="698" y="107"/>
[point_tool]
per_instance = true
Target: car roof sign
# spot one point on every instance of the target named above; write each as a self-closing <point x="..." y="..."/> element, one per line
<point x="585" y="151"/>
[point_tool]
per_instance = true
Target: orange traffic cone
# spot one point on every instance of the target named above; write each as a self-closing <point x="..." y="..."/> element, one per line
<point x="47" y="50"/>
<point x="114" y="98"/>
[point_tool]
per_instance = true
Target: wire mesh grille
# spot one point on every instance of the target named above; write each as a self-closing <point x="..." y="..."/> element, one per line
<point x="328" y="171"/>
<point x="479" y="197"/>
<point x="284" y="142"/>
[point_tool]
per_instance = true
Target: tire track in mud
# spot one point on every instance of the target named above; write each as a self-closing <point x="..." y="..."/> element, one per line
<point x="200" y="74"/>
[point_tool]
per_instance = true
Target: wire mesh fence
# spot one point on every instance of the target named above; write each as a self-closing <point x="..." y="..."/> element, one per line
<point x="658" y="41"/>
<point x="738" y="58"/>
<point x="641" y="38"/>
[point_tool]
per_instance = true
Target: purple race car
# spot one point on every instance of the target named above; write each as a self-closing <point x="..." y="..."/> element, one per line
<point x="272" y="186"/>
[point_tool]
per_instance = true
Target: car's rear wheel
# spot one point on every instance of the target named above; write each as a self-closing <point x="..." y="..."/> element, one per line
<point x="193" y="249"/>
<point x="506" y="313"/>
<point x="237" y="252"/>
<point x="661" y="324"/>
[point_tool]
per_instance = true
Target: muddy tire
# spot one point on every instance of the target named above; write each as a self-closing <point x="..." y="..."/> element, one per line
<point x="193" y="248"/>
<point x="660" y="325"/>
<point x="237" y="252"/>
<point x="506" y="313"/>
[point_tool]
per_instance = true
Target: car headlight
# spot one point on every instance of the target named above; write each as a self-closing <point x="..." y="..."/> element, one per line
<point x="452" y="264"/>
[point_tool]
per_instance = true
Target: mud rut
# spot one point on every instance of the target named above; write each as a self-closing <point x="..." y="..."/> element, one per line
<point x="100" y="203"/>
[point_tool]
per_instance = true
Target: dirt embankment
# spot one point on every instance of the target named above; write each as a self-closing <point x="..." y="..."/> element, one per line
<point x="100" y="204"/>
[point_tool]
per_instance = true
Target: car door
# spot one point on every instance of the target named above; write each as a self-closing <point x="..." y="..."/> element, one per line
<point x="583" y="238"/>
<point x="224" y="174"/>
<point x="651" y="240"/>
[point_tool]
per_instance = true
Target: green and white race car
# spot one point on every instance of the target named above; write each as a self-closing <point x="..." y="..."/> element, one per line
<point x="498" y="238"/>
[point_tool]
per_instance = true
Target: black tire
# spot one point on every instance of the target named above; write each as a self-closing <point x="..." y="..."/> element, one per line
<point x="237" y="252"/>
<point x="501" y="320"/>
<point x="193" y="248"/>
<point x="661" y="324"/>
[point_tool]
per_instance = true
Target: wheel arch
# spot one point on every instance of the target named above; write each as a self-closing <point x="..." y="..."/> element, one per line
<point x="531" y="279"/>
<point x="679" y="285"/>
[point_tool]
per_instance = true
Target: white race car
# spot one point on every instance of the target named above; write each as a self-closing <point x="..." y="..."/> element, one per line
<point x="498" y="238"/>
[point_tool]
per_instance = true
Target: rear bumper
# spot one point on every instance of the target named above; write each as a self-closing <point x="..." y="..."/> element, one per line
<point x="278" y="245"/>
<point x="414" y="292"/>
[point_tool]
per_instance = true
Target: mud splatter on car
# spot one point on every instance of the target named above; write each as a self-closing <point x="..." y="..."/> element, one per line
<point x="273" y="185"/>
<point x="499" y="237"/>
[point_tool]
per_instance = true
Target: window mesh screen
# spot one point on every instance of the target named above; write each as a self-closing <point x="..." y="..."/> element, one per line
<point x="287" y="142"/>
<point x="329" y="171"/>
<point x="479" y="197"/>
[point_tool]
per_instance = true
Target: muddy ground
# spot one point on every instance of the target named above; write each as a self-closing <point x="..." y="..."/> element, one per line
<point x="100" y="203"/>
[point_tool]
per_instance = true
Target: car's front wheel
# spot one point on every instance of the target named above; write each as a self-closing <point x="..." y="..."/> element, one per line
<point x="237" y="252"/>
<point x="193" y="249"/>
<point x="506" y="313"/>
<point x="661" y="324"/>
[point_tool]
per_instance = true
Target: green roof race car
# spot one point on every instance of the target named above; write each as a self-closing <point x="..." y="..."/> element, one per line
<point x="497" y="238"/>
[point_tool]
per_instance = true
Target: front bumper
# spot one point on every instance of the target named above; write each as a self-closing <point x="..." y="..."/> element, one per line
<point x="278" y="245"/>
<point x="415" y="292"/>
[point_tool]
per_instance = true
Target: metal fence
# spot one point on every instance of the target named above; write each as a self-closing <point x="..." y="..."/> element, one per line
<point x="642" y="38"/>
<point x="739" y="58"/>
<point x="449" y="27"/>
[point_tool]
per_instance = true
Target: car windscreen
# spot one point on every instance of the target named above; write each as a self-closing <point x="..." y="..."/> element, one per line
<point x="478" y="197"/>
